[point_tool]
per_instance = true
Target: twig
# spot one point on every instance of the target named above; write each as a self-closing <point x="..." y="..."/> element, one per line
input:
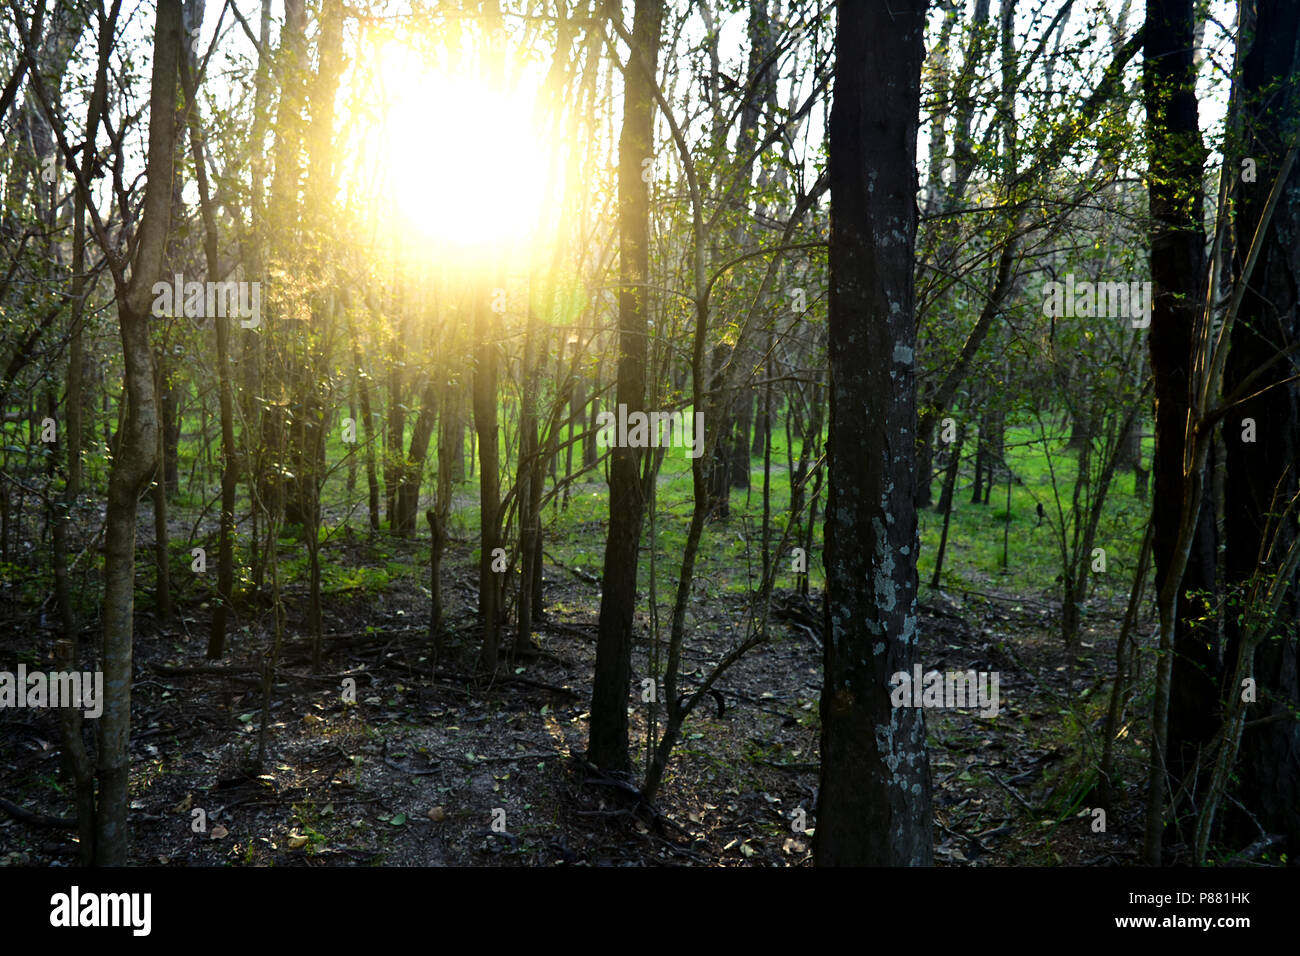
<point x="964" y="836"/>
<point x="791" y="767"/>
<point x="1007" y="787"/>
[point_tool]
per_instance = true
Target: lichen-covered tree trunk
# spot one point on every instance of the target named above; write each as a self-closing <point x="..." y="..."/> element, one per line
<point x="874" y="804"/>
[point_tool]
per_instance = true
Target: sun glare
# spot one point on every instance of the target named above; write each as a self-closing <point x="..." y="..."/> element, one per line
<point x="463" y="162"/>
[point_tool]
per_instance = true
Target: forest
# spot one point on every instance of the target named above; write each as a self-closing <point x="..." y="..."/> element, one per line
<point x="656" y="433"/>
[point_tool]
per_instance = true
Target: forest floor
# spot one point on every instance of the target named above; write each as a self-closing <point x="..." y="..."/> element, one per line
<point x="418" y="771"/>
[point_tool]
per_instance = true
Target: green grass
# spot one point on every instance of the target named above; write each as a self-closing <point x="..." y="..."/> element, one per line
<point x="729" y="560"/>
<point x="976" y="533"/>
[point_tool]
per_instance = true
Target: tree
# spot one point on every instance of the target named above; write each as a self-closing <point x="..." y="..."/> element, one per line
<point x="487" y="330"/>
<point x="1176" y="159"/>
<point x="609" y="695"/>
<point x="874" y="802"/>
<point x="1262" y="482"/>
<point x="134" y="463"/>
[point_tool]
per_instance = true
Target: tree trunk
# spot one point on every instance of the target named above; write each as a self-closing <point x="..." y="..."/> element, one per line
<point x="945" y="502"/>
<point x="485" y="424"/>
<point x="874" y="803"/>
<point x="138" y="449"/>
<point x="437" y="516"/>
<point x="720" y="459"/>
<point x="412" y="472"/>
<point x="229" y="478"/>
<point x="162" y="570"/>
<point x="170" y="403"/>
<point x="367" y="436"/>
<point x="395" y="424"/>
<point x="76" y="760"/>
<point x="607" y="747"/>
<point x="529" y="480"/>
<point x="742" y="426"/>
<point x="1178" y="263"/>
<point x="1261" y="474"/>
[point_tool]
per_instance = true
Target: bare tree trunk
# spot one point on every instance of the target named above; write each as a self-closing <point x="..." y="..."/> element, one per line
<point x="163" y="583"/>
<point x="1261" y="527"/>
<point x="412" y="472"/>
<point x="138" y="450"/>
<point x="945" y="502"/>
<point x="608" y="744"/>
<point x="983" y="467"/>
<point x="367" y="436"/>
<point x="530" y="476"/>
<point x="395" y="421"/>
<point x="437" y="518"/>
<point x="720" y="459"/>
<point x="489" y="459"/>
<point x="1186" y="714"/>
<point x="743" y="425"/>
<point x="1123" y="677"/>
<point x="76" y="760"/>
<point x="766" y="427"/>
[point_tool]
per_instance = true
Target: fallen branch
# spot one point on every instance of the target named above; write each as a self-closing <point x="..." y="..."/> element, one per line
<point x="37" y="819"/>
<point x="578" y="573"/>
<point x="511" y="679"/>
<point x="1254" y="850"/>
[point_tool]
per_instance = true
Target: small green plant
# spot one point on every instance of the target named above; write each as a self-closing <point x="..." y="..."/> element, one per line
<point x="308" y="818"/>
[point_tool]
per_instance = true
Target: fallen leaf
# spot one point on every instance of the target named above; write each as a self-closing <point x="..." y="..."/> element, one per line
<point x="219" y="832"/>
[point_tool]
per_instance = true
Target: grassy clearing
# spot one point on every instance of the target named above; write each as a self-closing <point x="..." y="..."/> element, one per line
<point x="730" y="553"/>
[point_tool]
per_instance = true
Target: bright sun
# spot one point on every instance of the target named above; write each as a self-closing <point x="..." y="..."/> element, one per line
<point x="463" y="162"/>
